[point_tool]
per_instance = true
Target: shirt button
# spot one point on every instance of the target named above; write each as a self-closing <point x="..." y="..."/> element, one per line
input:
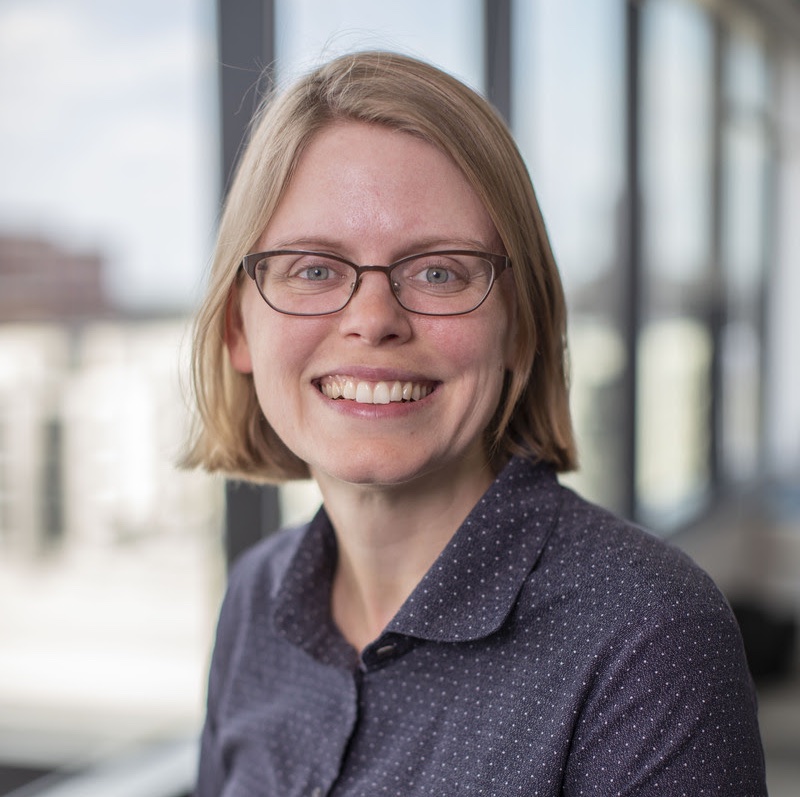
<point x="385" y="650"/>
<point x="317" y="792"/>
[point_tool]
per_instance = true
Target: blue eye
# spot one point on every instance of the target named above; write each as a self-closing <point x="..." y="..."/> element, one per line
<point x="437" y="276"/>
<point x="315" y="273"/>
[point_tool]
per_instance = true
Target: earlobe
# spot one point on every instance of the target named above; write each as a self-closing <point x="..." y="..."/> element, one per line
<point x="235" y="335"/>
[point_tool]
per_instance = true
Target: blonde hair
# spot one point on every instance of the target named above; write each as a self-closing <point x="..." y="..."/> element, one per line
<point x="533" y="419"/>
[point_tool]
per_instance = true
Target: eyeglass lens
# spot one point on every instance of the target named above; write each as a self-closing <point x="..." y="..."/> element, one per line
<point x="438" y="283"/>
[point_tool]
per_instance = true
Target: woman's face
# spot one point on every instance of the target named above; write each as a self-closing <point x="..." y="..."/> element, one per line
<point x="373" y="195"/>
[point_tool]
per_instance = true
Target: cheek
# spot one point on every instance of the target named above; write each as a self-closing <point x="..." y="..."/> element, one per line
<point x="277" y="360"/>
<point x="475" y="349"/>
<point x="280" y="349"/>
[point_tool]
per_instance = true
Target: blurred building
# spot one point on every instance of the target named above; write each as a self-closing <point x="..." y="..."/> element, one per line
<point x="92" y="417"/>
<point x="40" y="281"/>
<point x="108" y="551"/>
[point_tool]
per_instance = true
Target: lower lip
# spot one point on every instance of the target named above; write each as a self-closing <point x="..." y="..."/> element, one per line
<point x="394" y="409"/>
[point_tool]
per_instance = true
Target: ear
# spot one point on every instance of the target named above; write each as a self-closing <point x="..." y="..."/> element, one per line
<point x="235" y="334"/>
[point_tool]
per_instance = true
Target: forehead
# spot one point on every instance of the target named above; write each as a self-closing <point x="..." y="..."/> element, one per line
<point x="363" y="182"/>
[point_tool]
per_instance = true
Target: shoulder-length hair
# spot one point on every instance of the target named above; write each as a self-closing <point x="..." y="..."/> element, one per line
<point x="382" y="88"/>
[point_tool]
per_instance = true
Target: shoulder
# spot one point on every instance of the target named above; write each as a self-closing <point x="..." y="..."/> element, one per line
<point x="611" y="585"/>
<point x="253" y="583"/>
<point x="642" y="608"/>
<point x="656" y="650"/>
<point x="614" y="557"/>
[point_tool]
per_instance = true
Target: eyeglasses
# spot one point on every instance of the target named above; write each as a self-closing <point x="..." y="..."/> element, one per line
<point x="450" y="282"/>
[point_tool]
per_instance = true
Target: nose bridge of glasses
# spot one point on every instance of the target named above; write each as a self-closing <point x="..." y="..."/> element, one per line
<point x="385" y="270"/>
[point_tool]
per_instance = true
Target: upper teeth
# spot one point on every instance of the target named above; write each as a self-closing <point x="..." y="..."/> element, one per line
<point x="373" y="392"/>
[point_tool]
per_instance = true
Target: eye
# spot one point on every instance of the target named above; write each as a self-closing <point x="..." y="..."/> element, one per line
<point x="315" y="269"/>
<point x="315" y="273"/>
<point x="429" y="272"/>
<point x="436" y="275"/>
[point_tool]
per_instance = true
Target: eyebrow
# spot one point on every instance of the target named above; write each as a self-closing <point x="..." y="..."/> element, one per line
<point x="333" y="246"/>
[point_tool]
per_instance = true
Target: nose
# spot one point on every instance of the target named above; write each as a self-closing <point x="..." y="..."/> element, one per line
<point x="373" y="314"/>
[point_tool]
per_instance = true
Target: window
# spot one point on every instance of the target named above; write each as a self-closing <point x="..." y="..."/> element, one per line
<point x="448" y="33"/>
<point x="568" y="114"/>
<point x="782" y="324"/>
<point x="675" y="351"/>
<point x="745" y="199"/>
<point x="110" y="563"/>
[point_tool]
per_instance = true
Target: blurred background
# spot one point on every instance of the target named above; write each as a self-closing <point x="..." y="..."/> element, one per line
<point x="663" y="138"/>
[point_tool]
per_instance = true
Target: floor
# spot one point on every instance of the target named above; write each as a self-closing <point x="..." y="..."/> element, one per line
<point x="779" y="715"/>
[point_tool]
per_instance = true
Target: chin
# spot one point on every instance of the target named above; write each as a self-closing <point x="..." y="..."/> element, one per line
<point x="390" y="467"/>
<point x="380" y="469"/>
<point x="379" y="476"/>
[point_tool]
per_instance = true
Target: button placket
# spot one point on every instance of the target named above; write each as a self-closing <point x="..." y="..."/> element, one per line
<point x="384" y="650"/>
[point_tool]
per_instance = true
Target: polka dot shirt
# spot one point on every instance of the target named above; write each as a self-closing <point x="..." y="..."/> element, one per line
<point x="552" y="649"/>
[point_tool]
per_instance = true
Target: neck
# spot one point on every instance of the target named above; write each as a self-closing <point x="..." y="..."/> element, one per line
<point x="388" y="538"/>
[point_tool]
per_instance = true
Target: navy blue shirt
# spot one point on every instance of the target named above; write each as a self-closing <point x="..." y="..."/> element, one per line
<point x="552" y="649"/>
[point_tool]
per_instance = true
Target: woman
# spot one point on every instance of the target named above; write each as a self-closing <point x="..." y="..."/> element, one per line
<point x="452" y="621"/>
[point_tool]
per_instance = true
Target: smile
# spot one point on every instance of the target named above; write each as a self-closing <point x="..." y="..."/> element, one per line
<point x="344" y="387"/>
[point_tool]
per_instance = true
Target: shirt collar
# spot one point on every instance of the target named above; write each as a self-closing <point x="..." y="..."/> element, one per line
<point x="473" y="585"/>
<point x="468" y="592"/>
<point x="302" y="605"/>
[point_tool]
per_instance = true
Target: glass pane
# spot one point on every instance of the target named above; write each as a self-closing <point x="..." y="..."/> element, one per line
<point x="782" y="377"/>
<point x="110" y="568"/>
<point x="568" y="116"/>
<point x="448" y="33"/>
<point x="673" y="430"/>
<point x="746" y="77"/>
<point x="676" y="126"/>
<point x="745" y="168"/>
<point x="674" y="435"/>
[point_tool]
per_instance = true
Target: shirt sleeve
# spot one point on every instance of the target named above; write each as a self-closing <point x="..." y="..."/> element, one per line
<point x="212" y="771"/>
<point x="209" y="777"/>
<point x="671" y="712"/>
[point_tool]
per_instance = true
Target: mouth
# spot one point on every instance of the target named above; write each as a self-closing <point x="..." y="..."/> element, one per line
<point x="366" y="392"/>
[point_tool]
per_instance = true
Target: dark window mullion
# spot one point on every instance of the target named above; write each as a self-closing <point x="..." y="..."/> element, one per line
<point x="632" y="279"/>
<point x="246" y="46"/>
<point x="717" y="311"/>
<point x="497" y="52"/>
